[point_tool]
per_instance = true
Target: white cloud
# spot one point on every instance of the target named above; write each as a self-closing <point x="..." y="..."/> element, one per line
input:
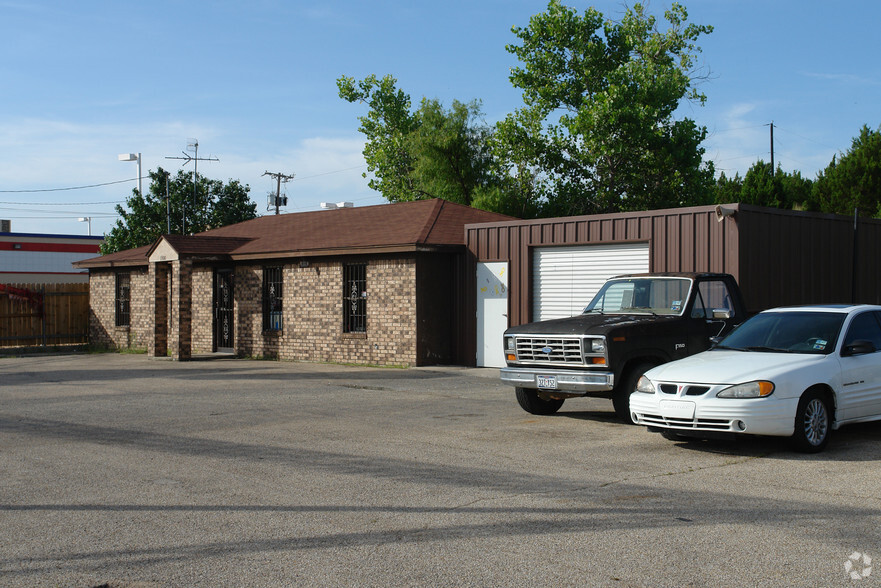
<point x="738" y="140"/>
<point x="844" y="78"/>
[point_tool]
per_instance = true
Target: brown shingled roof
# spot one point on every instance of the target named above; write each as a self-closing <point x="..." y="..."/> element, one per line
<point x="423" y="222"/>
<point x="405" y="226"/>
<point x="129" y="257"/>
<point x="201" y="244"/>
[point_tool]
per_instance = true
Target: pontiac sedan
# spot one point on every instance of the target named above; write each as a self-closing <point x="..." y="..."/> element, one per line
<point x="797" y="372"/>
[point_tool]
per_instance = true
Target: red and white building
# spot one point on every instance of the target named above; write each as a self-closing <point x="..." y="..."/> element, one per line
<point x="32" y="258"/>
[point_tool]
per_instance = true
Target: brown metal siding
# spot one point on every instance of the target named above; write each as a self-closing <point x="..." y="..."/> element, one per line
<point x="688" y="239"/>
<point x="869" y="265"/>
<point x="795" y="258"/>
<point x="779" y="257"/>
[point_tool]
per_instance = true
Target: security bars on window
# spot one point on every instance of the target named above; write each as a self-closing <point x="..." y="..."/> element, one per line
<point x="123" y="299"/>
<point x="272" y="299"/>
<point x="355" y="298"/>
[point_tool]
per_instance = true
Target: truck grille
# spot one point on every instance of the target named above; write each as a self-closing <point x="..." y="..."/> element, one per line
<point x="550" y="350"/>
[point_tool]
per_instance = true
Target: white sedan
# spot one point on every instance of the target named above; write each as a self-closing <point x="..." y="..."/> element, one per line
<point x="797" y="372"/>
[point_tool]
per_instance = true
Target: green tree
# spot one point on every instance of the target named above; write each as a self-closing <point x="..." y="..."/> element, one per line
<point x="145" y="217"/>
<point x="451" y="157"/>
<point x="852" y="181"/>
<point x="597" y="131"/>
<point x="386" y="126"/>
<point x="795" y="190"/>
<point x="761" y="187"/>
<point x="728" y="189"/>
<point x="429" y="152"/>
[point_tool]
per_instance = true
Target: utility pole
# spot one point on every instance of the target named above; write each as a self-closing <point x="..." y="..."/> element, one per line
<point x="772" y="149"/>
<point x="280" y="177"/>
<point x="192" y="144"/>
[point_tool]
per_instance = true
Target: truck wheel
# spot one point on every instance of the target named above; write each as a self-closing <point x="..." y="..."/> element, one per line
<point x="621" y="393"/>
<point x="531" y="403"/>
<point x="812" y="423"/>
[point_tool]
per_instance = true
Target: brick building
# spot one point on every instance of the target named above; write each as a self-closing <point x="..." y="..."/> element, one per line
<point x="372" y="285"/>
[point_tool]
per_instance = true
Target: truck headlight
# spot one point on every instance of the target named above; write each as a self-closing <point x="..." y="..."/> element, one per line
<point x="597" y="345"/>
<point x="509" y="343"/>
<point x="758" y="389"/>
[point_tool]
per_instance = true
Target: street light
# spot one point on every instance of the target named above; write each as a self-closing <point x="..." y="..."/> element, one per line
<point x="134" y="157"/>
<point x="87" y="219"/>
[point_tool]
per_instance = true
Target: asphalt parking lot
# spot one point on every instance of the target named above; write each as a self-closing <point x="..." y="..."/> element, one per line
<point x="122" y="470"/>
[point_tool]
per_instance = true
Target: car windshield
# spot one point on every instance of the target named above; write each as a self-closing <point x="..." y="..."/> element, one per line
<point x="787" y="332"/>
<point x="665" y="296"/>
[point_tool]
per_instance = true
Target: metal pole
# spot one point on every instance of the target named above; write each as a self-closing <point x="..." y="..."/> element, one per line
<point x="43" y="316"/>
<point x="195" y="168"/>
<point x="854" y="264"/>
<point x="140" y="185"/>
<point x="167" y="206"/>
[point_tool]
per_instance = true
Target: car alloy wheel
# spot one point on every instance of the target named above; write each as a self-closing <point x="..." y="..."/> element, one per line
<point x="816" y="422"/>
<point x="813" y="422"/>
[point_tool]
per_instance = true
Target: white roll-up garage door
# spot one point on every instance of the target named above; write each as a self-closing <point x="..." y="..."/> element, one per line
<point x="565" y="279"/>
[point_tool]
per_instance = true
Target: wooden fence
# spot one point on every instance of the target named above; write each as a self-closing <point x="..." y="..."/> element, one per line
<point x="41" y="315"/>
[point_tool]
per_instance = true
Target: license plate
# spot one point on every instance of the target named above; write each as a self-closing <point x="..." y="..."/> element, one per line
<point x="677" y="409"/>
<point x="547" y="382"/>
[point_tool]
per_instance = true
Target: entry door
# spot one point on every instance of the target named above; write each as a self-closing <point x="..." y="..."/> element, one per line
<point x="492" y="312"/>
<point x="224" y="320"/>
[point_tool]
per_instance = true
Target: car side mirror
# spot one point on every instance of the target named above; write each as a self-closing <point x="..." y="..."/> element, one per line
<point x="721" y="313"/>
<point x="858" y="347"/>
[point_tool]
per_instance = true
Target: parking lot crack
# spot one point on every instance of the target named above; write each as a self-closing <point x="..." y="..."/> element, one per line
<point x="680" y="472"/>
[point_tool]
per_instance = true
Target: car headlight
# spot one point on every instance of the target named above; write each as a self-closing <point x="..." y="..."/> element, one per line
<point x="758" y="389"/>
<point x="645" y="386"/>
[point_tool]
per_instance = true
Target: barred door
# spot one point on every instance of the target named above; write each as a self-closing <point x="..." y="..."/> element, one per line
<point x="224" y="319"/>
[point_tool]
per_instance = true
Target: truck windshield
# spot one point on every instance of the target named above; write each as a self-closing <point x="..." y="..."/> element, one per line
<point x="662" y="296"/>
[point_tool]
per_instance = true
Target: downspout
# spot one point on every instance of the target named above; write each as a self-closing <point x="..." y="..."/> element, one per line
<point x="854" y="264"/>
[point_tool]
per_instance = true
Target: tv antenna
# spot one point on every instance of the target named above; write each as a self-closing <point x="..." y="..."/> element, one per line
<point x="192" y="145"/>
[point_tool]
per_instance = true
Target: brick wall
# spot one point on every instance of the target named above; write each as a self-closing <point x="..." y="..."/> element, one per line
<point x="312" y="325"/>
<point x="313" y="313"/>
<point x="251" y="339"/>
<point x="102" y="320"/>
<point x="203" y="310"/>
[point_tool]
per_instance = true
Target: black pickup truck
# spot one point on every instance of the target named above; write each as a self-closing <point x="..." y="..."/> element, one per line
<point x="634" y="323"/>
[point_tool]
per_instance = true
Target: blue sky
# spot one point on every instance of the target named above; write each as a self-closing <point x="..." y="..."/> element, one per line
<point x="255" y="83"/>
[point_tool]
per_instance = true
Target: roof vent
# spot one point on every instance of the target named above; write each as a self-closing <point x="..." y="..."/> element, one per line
<point x="335" y="205"/>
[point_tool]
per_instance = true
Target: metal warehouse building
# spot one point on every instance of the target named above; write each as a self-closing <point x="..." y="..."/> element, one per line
<point x="33" y="258"/>
<point x="546" y="268"/>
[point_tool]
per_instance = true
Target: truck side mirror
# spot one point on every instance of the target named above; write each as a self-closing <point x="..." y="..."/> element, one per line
<point x="721" y="313"/>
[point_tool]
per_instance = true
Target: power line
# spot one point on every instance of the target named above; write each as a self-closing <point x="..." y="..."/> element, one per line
<point x="338" y="171"/>
<point x="69" y="216"/>
<point x="35" y="190"/>
<point x="65" y="189"/>
<point x="63" y="203"/>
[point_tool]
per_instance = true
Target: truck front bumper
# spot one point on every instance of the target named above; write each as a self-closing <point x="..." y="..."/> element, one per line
<point x="580" y="381"/>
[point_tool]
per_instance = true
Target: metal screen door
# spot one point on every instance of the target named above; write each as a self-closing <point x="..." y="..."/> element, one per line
<point x="224" y="320"/>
